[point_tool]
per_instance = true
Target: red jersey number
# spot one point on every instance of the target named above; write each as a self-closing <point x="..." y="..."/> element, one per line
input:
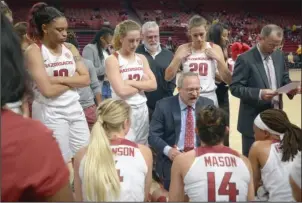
<point x="136" y="77"/>
<point x="201" y="67"/>
<point x="225" y="188"/>
<point x="61" y="72"/>
<point x="119" y="174"/>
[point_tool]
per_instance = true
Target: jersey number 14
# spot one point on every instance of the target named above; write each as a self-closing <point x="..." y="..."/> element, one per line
<point x="225" y="188"/>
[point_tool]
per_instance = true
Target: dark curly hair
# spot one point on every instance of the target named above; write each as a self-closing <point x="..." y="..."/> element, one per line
<point x="211" y="124"/>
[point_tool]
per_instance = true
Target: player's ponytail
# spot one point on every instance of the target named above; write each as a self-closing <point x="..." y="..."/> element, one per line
<point x="121" y="31"/>
<point x="38" y="15"/>
<point x="211" y="125"/>
<point x="100" y="174"/>
<point x="291" y="139"/>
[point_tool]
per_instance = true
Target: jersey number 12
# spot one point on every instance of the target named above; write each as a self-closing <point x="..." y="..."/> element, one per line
<point x="225" y="188"/>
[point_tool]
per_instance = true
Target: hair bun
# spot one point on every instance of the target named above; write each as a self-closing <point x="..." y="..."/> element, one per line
<point x="39" y="6"/>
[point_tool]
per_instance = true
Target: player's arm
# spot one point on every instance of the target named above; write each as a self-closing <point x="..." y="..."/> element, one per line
<point x="146" y="152"/>
<point x="149" y="83"/>
<point x="173" y="67"/>
<point x="116" y="81"/>
<point x="176" y="191"/>
<point x="35" y="65"/>
<point x="255" y="165"/>
<point x="251" y="190"/>
<point x="77" y="181"/>
<point x="79" y="80"/>
<point x="222" y="67"/>
<point x="25" y="108"/>
<point x="95" y="85"/>
<point x="295" y="178"/>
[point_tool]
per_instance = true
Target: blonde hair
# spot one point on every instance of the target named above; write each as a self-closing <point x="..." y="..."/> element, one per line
<point x="197" y="21"/>
<point x="100" y="174"/>
<point x="121" y="31"/>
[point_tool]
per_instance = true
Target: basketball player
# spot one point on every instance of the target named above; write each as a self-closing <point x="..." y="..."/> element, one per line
<point x="211" y="172"/>
<point x="278" y="142"/>
<point x="57" y="69"/>
<point x="112" y="168"/>
<point x="130" y="75"/>
<point x="202" y="57"/>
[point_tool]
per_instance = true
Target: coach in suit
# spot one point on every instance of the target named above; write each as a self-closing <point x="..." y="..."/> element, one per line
<point x="172" y="127"/>
<point x="257" y="74"/>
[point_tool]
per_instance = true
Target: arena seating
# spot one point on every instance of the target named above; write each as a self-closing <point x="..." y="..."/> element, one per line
<point x="173" y="17"/>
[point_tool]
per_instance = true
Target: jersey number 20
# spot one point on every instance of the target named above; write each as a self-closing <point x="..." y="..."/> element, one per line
<point x="225" y="188"/>
<point x="201" y="67"/>
<point x="61" y="72"/>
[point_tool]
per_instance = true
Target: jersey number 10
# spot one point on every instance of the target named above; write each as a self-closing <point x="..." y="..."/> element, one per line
<point x="225" y="188"/>
<point x="61" y="72"/>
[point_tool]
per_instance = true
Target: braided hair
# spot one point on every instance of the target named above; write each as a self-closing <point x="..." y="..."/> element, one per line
<point x="40" y="14"/>
<point x="211" y="124"/>
<point x="278" y="121"/>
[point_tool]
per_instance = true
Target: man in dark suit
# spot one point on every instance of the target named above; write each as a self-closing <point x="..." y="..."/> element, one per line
<point x="172" y="127"/>
<point x="257" y="74"/>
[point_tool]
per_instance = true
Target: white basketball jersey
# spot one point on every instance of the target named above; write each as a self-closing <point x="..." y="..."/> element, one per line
<point x="217" y="174"/>
<point x="132" y="170"/>
<point x="275" y="176"/>
<point x="64" y="66"/>
<point x="131" y="71"/>
<point x="204" y="66"/>
<point x="231" y="63"/>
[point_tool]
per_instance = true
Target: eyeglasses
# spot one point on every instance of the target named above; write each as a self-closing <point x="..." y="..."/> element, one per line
<point x="192" y="90"/>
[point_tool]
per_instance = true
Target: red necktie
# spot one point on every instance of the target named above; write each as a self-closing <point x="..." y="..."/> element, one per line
<point x="189" y="134"/>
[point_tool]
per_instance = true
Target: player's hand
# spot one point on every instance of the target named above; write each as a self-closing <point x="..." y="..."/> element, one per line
<point x="173" y="152"/>
<point x="268" y="94"/>
<point x="211" y="53"/>
<point x="183" y="52"/>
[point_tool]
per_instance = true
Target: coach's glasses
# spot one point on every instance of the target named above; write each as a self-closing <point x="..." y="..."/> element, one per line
<point x="192" y="90"/>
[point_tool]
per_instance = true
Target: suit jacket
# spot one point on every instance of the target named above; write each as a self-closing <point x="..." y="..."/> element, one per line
<point x="248" y="78"/>
<point x="165" y="130"/>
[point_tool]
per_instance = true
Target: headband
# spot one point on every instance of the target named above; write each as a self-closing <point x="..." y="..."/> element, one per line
<point x="261" y="125"/>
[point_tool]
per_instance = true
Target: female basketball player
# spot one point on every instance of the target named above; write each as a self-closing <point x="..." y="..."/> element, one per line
<point x="212" y="172"/>
<point x="129" y="75"/>
<point x="278" y="142"/>
<point x="218" y="34"/>
<point x="57" y="69"/>
<point x="201" y="57"/>
<point x="112" y="168"/>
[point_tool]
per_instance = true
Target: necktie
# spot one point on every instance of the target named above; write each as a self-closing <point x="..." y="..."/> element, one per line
<point x="275" y="101"/>
<point x="189" y="134"/>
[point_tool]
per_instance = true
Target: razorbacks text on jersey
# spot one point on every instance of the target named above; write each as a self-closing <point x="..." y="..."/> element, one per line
<point x="64" y="66"/>
<point x="131" y="71"/>
<point x="131" y="168"/>
<point x="217" y="174"/>
<point x="200" y="63"/>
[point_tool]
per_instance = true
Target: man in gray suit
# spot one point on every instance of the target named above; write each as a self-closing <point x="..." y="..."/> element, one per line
<point x="173" y="124"/>
<point x="257" y="74"/>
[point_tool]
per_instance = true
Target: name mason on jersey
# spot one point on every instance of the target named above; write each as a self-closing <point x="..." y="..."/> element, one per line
<point x="61" y="63"/>
<point x="220" y="161"/>
<point x="124" y="151"/>
<point x="131" y="69"/>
